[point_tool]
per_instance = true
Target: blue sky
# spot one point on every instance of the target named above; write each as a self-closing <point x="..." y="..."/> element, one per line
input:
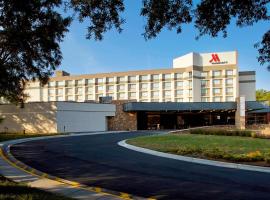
<point x="130" y="51"/>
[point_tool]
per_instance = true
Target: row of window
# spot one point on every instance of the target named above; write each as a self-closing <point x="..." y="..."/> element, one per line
<point x="165" y="93"/>
<point x="153" y="77"/>
<point x="142" y="98"/>
<point x="217" y="99"/>
<point x="217" y="73"/>
<point x="131" y="87"/>
<point x="216" y="91"/>
<point x="216" y="82"/>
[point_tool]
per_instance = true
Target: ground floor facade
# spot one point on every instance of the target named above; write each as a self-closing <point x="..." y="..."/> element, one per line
<point x="65" y="117"/>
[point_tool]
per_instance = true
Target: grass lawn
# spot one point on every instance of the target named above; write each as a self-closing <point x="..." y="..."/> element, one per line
<point x="231" y="148"/>
<point x="11" y="190"/>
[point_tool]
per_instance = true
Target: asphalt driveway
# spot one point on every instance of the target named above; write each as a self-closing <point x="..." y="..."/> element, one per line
<point x="97" y="160"/>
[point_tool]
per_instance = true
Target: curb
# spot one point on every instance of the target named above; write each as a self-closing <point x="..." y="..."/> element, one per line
<point x="9" y="158"/>
<point x="195" y="160"/>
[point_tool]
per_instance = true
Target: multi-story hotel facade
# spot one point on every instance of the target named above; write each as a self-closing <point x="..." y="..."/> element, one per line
<point x="207" y="87"/>
<point x="207" y="77"/>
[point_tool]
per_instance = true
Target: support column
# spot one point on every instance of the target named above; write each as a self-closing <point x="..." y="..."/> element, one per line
<point x="240" y="114"/>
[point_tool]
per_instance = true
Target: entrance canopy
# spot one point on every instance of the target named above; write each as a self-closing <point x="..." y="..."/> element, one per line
<point x="189" y="106"/>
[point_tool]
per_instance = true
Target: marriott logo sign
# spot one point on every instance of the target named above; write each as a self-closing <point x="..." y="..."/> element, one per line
<point x="216" y="60"/>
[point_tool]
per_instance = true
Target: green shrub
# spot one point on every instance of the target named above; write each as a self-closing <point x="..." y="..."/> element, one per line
<point x="243" y="133"/>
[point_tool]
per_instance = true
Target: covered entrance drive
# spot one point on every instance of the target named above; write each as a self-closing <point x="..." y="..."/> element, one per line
<point x="174" y="115"/>
<point x="180" y="120"/>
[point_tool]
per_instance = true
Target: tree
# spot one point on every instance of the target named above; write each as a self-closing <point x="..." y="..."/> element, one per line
<point x="263" y="95"/>
<point x="31" y="30"/>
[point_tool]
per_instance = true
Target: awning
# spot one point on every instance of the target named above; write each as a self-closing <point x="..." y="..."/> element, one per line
<point x="189" y="106"/>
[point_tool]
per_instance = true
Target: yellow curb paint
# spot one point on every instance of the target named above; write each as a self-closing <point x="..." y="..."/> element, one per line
<point x="124" y="195"/>
<point x="97" y="189"/>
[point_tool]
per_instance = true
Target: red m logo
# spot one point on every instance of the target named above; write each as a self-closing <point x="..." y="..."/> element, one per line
<point x="215" y="58"/>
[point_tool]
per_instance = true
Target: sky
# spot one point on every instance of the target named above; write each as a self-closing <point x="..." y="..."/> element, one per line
<point x="130" y="51"/>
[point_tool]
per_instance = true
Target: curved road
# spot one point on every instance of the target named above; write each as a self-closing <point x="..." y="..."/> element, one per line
<point x="97" y="160"/>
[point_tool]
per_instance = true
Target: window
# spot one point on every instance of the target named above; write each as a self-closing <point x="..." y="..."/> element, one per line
<point x="99" y="88"/>
<point x="51" y="84"/>
<point x="89" y="97"/>
<point x="155" y="86"/>
<point x="179" y="92"/>
<point x="132" y="95"/>
<point x="110" y="79"/>
<point x="154" y="100"/>
<point x="79" y="90"/>
<point x="229" y="98"/>
<point x="229" y="72"/>
<point x="89" y="89"/>
<point x="189" y="74"/>
<point x="69" y="91"/>
<point x="167" y="76"/>
<point x="217" y="91"/>
<point x="155" y="77"/>
<point x="179" y="84"/>
<point x="69" y="83"/>
<point x="100" y="80"/>
<point x="50" y="98"/>
<point x="59" y="98"/>
<point x="70" y="98"/>
<point x="204" y="83"/>
<point x="167" y="93"/>
<point x="90" y="81"/>
<point x="121" y="95"/>
<point x="179" y="75"/>
<point x="217" y="73"/>
<point x="190" y="92"/>
<point x="155" y="94"/>
<point x="132" y="86"/>
<point x="144" y="86"/>
<point x="79" y="98"/>
<point x="110" y="87"/>
<point x="51" y="91"/>
<point x="229" y="90"/>
<point x="217" y="99"/>
<point x="179" y="100"/>
<point x="167" y="85"/>
<point x="132" y="78"/>
<point x="144" y="78"/>
<point x="144" y="94"/>
<point x="121" y="79"/>
<point x="205" y="99"/>
<point x="229" y="81"/>
<point x="79" y="82"/>
<point x="205" y="92"/>
<point x="60" y="83"/>
<point x="190" y="84"/>
<point x="216" y="82"/>
<point x="204" y="74"/>
<point x="59" y="91"/>
<point x="121" y="87"/>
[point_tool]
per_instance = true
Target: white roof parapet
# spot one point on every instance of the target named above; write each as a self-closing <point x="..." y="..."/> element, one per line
<point x="206" y="59"/>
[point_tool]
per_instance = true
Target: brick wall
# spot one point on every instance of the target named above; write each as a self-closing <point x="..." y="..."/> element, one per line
<point x="123" y="120"/>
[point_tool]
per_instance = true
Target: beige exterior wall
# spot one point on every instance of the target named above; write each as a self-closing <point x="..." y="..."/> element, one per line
<point x="182" y="83"/>
<point x="33" y="118"/>
<point x="56" y="117"/>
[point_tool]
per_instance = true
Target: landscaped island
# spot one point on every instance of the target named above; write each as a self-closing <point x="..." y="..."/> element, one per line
<point x="211" y="145"/>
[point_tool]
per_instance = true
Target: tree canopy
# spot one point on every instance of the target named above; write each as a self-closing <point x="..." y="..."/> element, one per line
<point x="263" y="95"/>
<point x="31" y="30"/>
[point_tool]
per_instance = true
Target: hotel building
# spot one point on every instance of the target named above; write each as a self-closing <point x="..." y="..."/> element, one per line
<point x="194" y="77"/>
